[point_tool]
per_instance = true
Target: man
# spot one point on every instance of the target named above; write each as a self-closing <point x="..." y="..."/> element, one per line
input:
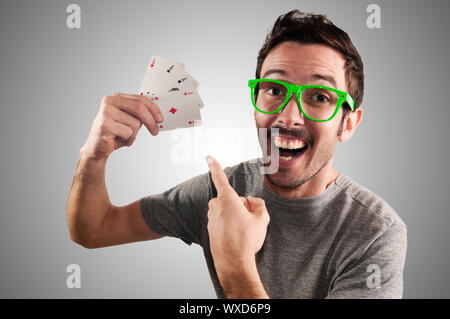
<point x="304" y="231"/>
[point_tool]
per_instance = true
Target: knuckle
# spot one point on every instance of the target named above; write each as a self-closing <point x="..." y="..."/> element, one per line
<point x="136" y="126"/>
<point x="106" y="109"/>
<point x="129" y="132"/>
<point x="107" y="99"/>
<point x="132" y="137"/>
<point x="214" y="204"/>
<point x="104" y="137"/>
<point x="155" y="108"/>
<point x="142" y="98"/>
<point x="140" y="108"/>
<point x="104" y="125"/>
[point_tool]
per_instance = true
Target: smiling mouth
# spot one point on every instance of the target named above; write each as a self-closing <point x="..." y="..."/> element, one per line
<point x="289" y="148"/>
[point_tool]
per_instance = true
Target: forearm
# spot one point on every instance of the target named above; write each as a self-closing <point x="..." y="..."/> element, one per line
<point x="88" y="201"/>
<point x="243" y="282"/>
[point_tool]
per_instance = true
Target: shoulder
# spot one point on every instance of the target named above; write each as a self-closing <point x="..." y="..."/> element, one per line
<point x="369" y="205"/>
<point x="371" y="231"/>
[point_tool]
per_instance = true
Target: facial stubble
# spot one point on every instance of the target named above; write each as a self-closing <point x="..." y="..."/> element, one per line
<point x="323" y="157"/>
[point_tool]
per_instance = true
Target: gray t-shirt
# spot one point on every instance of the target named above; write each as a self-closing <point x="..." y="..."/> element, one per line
<point x="345" y="243"/>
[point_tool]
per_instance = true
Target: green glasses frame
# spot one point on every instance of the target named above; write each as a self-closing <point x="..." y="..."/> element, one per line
<point x="298" y="89"/>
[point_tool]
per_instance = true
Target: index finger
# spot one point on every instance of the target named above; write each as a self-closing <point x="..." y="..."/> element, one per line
<point x="149" y="103"/>
<point x="219" y="177"/>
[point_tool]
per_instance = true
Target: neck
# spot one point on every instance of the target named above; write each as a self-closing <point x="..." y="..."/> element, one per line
<point x="315" y="186"/>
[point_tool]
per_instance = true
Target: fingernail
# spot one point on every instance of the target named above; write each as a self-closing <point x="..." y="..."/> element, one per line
<point x="209" y="159"/>
<point x="159" y="118"/>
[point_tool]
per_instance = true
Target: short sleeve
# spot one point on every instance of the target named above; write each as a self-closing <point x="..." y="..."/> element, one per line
<point x="378" y="272"/>
<point x="181" y="211"/>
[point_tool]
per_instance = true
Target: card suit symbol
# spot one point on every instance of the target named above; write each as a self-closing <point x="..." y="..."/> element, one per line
<point x="170" y="69"/>
<point x="153" y="63"/>
<point x="142" y="93"/>
<point x="188" y="93"/>
<point x="173" y="110"/>
<point x="160" y="126"/>
<point x="190" y="122"/>
<point x="156" y="98"/>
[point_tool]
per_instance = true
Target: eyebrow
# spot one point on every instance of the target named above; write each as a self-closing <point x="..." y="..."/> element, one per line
<point x="317" y="76"/>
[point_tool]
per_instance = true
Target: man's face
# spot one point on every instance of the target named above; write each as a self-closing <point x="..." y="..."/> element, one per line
<point x="302" y="64"/>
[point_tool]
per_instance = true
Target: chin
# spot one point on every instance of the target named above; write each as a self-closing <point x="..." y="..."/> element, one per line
<point x="286" y="179"/>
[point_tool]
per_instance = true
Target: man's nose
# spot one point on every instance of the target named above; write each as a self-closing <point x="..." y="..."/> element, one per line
<point x="291" y="115"/>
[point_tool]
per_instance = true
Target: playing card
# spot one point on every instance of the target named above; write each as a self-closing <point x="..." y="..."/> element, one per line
<point x="179" y="111"/>
<point x="185" y="120"/>
<point x="175" y="92"/>
<point x="183" y="81"/>
<point x="190" y="96"/>
<point x="164" y="75"/>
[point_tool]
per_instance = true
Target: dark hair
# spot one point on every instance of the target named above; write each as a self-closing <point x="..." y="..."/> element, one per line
<point x="307" y="28"/>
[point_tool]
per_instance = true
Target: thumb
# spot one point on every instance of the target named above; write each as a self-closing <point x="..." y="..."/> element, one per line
<point x="256" y="205"/>
<point x="245" y="202"/>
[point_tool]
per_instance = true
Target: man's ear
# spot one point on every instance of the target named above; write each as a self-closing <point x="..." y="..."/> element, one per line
<point x="350" y="124"/>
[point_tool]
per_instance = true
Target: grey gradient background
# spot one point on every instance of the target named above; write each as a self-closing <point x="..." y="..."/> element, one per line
<point x="53" y="79"/>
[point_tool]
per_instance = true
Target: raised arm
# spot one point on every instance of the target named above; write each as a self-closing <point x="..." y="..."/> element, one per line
<point x="92" y="220"/>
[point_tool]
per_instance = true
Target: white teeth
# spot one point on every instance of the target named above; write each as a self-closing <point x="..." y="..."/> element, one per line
<point x="286" y="158"/>
<point x="300" y="144"/>
<point x="289" y="144"/>
<point x="277" y="141"/>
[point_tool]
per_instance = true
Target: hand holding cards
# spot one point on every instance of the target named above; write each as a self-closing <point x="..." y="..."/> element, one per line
<point x="118" y="122"/>
<point x="174" y="91"/>
<point x="168" y="100"/>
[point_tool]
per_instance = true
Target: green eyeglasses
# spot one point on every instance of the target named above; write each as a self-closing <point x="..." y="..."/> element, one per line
<point x="316" y="102"/>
